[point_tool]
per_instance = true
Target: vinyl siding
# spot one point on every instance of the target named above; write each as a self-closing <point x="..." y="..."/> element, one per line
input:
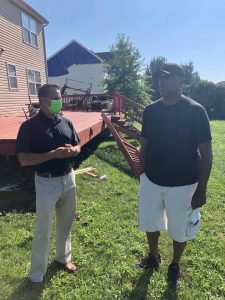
<point x="17" y="53"/>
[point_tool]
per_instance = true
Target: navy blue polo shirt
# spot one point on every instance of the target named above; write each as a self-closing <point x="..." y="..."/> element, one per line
<point x="41" y="134"/>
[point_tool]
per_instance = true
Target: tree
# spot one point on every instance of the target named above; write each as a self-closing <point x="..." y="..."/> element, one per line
<point x="148" y="80"/>
<point x="190" y="76"/>
<point x="210" y="95"/>
<point x="124" y="71"/>
<point x="155" y="65"/>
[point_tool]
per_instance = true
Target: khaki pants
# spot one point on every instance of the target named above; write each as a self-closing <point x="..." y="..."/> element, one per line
<point x="52" y="193"/>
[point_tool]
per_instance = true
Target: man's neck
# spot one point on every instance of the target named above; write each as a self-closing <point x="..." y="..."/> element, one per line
<point x="172" y="99"/>
<point x="48" y="114"/>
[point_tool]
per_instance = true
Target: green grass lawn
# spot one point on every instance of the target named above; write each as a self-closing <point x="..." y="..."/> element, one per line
<point x="106" y="242"/>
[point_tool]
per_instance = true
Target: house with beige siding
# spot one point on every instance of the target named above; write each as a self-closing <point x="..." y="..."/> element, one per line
<point x="22" y="55"/>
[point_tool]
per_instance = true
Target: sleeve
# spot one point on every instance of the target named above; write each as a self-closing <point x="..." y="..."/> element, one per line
<point x="144" y="131"/>
<point x="23" y="141"/>
<point x="75" y="139"/>
<point x="202" y="127"/>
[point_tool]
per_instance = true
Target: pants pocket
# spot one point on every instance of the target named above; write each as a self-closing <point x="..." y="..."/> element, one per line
<point x="193" y="223"/>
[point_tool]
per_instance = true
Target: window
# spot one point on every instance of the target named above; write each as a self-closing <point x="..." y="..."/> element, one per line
<point x="29" y="30"/>
<point x="34" y="81"/>
<point x="12" y="76"/>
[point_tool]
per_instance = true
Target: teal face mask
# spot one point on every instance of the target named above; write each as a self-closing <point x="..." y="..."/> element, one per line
<point x="55" y="106"/>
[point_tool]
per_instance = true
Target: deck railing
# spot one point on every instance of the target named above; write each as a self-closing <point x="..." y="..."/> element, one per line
<point x="96" y="102"/>
<point x="91" y="102"/>
<point x="75" y="103"/>
<point x="127" y="107"/>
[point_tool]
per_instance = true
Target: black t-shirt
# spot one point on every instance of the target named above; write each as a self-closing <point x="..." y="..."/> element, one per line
<point x="41" y="134"/>
<point x="173" y="134"/>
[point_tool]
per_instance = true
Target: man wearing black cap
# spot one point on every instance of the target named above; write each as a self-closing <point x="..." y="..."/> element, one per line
<point x="176" y="160"/>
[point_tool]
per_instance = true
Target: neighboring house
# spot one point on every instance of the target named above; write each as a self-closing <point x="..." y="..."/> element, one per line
<point x="22" y="55"/>
<point x="77" y="67"/>
<point x="105" y="56"/>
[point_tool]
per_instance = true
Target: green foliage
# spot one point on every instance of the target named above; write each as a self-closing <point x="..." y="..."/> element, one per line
<point x="107" y="244"/>
<point x="190" y="75"/>
<point x="210" y="95"/>
<point x="124" y="71"/>
<point x="155" y="65"/>
<point x="202" y="92"/>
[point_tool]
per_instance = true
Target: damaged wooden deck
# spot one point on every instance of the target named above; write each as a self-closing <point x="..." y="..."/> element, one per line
<point x="87" y="124"/>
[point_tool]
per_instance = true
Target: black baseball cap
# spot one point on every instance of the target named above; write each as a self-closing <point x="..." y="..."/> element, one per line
<point x="170" y="69"/>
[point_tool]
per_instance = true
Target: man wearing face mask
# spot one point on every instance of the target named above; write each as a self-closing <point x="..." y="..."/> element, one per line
<point x="49" y="143"/>
<point x="176" y="161"/>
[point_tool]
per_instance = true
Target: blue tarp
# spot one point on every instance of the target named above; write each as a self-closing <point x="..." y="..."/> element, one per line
<point x="72" y="54"/>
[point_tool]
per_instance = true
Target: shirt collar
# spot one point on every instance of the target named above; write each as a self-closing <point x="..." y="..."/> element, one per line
<point x="43" y="117"/>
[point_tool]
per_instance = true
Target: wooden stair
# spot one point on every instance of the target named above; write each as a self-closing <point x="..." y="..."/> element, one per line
<point x="131" y="154"/>
<point x="126" y="128"/>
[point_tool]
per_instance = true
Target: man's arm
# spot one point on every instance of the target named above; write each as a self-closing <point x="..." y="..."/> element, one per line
<point x="143" y="155"/>
<point x="205" y="166"/>
<point x="31" y="159"/>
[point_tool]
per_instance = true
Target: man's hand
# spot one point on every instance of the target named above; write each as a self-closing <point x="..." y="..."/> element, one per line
<point x="199" y="198"/>
<point x="74" y="149"/>
<point x="63" y="152"/>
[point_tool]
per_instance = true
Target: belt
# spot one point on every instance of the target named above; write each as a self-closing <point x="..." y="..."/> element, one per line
<point x="52" y="175"/>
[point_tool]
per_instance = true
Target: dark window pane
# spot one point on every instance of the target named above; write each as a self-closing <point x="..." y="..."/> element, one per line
<point x="33" y="39"/>
<point x="33" y="25"/>
<point x="37" y="77"/>
<point x="38" y="87"/>
<point x="26" y="35"/>
<point x="30" y="75"/>
<point x="32" y="90"/>
<point x="12" y="70"/>
<point x="25" y="20"/>
<point x="13" y="82"/>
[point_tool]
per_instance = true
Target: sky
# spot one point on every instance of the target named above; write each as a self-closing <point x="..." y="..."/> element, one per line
<point x="181" y="31"/>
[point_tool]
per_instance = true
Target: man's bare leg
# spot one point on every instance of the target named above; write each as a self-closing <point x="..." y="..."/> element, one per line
<point x="153" y="241"/>
<point x="174" y="268"/>
<point x="178" y="249"/>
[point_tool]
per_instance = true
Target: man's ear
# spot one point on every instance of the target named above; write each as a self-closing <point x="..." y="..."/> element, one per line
<point x="182" y="80"/>
<point x="43" y="100"/>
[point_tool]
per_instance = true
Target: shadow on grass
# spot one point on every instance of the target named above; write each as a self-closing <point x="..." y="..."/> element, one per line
<point x="169" y="294"/>
<point x="89" y="148"/>
<point x="141" y="289"/>
<point x="20" y="197"/>
<point x="26" y="243"/>
<point x="17" y="201"/>
<point x="24" y="290"/>
<point x="109" y="155"/>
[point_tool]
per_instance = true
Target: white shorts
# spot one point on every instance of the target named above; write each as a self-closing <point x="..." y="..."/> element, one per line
<point x="168" y="208"/>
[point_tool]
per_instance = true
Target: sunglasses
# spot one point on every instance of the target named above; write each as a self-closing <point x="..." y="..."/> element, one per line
<point x="165" y="76"/>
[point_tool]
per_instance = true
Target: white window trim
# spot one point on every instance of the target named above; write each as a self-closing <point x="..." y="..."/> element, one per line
<point x="30" y="31"/>
<point x="35" y="82"/>
<point x="11" y="88"/>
